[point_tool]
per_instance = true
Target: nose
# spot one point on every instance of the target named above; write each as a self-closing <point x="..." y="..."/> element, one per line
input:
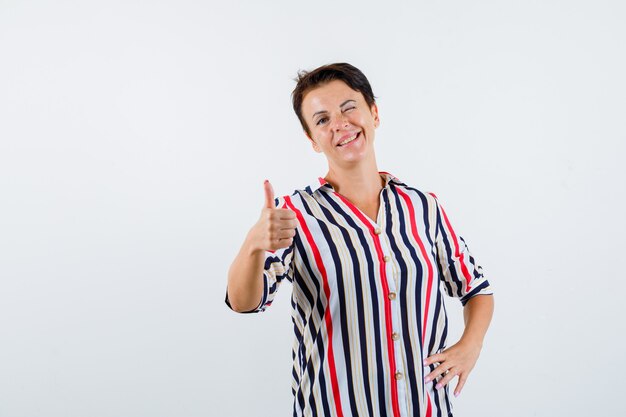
<point x="341" y="122"/>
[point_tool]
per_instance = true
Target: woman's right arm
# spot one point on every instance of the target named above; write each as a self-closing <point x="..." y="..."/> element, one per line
<point x="274" y="230"/>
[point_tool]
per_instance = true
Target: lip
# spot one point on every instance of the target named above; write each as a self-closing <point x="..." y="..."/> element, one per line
<point x="344" y="137"/>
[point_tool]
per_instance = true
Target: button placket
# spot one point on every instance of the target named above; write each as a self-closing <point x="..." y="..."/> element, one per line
<point x="392" y="286"/>
<point x="392" y="295"/>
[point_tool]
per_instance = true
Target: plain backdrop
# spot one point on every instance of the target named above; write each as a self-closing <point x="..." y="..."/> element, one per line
<point x="135" y="137"/>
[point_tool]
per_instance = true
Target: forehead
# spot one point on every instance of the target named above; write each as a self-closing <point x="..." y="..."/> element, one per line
<point x="331" y="94"/>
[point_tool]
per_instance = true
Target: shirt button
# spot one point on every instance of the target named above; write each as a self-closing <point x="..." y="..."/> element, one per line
<point x="386" y="258"/>
<point x="377" y="230"/>
<point x="399" y="376"/>
<point x="395" y="336"/>
<point x="392" y="295"/>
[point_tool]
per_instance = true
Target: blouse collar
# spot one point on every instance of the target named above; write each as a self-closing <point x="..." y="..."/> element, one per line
<point x="321" y="182"/>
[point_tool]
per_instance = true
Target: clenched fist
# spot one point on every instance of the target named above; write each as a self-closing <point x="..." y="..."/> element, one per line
<point x="276" y="227"/>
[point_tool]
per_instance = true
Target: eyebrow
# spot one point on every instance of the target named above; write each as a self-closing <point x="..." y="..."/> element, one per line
<point x="324" y="111"/>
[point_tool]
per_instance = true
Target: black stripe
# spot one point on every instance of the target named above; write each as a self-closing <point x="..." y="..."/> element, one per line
<point x="474" y="291"/>
<point x="361" y="323"/>
<point x="437" y="404"/>
<point x="444" y="334"/>
<point x="449" y="259"/>
<point x="439" y="304"/>
<point x="315" y="332"/>
<point x="403" y="291"/>
<point x="371" y="275"/>
<point x="426" y="206"/>
<point x="447" y="403"/>
<point x="299" y="396"/>
<point x="341" y="297"/>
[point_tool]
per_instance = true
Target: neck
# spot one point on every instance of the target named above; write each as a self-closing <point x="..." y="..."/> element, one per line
<point x="359" y="182"/>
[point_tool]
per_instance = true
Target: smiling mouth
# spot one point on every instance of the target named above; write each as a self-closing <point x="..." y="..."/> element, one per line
<point x="350" y="139"/>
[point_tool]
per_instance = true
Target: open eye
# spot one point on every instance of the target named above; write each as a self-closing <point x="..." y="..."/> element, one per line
<point x="321" y="120"/>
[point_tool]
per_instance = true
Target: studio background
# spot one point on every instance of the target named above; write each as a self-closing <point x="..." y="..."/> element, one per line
<point x="135" y="138"/>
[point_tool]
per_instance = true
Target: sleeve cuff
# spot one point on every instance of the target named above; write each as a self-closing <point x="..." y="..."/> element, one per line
<point x="259" y="308"/>
<point x="481" y="289"/>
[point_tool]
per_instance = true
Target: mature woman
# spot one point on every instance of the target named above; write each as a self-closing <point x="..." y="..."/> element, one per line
<point x="366" y="255"/>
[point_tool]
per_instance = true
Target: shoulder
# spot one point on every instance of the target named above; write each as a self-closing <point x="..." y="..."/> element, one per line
<point x="427" y="197"/>
<point x="296" y="198"/>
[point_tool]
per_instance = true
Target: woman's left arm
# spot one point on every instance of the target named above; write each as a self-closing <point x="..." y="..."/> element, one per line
<point x="460" y="358"/>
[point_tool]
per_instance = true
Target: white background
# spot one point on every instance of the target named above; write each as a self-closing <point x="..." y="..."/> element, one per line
<point x="135" y="138"/>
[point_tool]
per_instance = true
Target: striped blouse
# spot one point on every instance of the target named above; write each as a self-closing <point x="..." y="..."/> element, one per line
<point x="367" y="305"/>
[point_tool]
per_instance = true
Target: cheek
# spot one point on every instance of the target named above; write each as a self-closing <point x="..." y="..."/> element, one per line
<point x="323" y="133"/>
<point x="359" y="118"/>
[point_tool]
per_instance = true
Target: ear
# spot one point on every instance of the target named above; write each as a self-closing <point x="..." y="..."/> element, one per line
<point x="374" y="111"/>
<point x="316" y="148"/>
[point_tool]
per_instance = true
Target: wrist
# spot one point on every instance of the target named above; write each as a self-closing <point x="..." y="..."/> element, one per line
<point x="251" y="244"/>
<point x="472" y="341"/>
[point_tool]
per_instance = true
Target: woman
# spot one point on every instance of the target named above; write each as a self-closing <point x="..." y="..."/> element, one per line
<point x="366" y="255"/>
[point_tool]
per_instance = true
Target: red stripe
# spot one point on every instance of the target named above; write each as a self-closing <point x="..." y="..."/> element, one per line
<point x="327" y="316"/>
<point x="411" y="209"/>
<point x="385" y="172"/>
<point x="429" y="407"/>
<point x="388" y="321"/>
<point x="457" y="254"/>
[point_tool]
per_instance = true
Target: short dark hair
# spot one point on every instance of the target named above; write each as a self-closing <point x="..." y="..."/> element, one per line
<point x="308" y="80"/>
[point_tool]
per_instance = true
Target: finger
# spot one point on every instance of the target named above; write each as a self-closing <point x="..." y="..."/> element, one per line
<point x="289" y="224"/>
<point x="441" y="369"/>
<point x="269" y="194"/>
<point x="460" y="384"/>
<point x="447" y="378"/>
<point x="287" y="214"/>
<point x="275" y="222"/>
<point x="286" y="233"/>
<point x="437" y="357"/>
<point x="282" y="243"/>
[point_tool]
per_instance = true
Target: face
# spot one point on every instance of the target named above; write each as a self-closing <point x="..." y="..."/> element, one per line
<point x="341" y="123"/>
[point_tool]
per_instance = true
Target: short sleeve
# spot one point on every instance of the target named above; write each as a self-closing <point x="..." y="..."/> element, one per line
<point x="278" y="266"/>
<point x="459" y="271"/>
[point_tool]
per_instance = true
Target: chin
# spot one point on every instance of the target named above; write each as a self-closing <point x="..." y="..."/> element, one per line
<point x="352" y="159"/>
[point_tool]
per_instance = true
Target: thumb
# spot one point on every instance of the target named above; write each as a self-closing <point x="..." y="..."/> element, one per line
<point x="269" y="194"/>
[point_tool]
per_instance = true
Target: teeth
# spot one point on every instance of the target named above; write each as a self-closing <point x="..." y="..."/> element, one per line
<point x="350" y="139"/>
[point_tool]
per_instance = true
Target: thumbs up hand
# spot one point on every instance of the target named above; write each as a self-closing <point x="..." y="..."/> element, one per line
<point x="276" y="227"/>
